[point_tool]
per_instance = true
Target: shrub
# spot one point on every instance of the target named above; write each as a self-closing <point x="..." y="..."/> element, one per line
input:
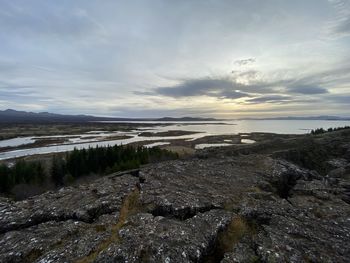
<point x="321" y="130"/>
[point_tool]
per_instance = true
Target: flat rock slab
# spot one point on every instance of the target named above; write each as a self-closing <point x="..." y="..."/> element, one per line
<point x="161" y="239"/>
<point x="183" y="188"/>
<point x="82" y="203"/>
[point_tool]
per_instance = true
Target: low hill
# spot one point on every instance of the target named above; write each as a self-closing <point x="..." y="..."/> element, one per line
<point x="14" y="116"/>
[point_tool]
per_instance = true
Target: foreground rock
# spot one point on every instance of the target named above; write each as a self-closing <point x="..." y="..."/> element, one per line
<point x="247" y="204"/>
<point x="84" y="203"/>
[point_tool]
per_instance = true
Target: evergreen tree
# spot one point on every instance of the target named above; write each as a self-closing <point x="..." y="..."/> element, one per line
<point x="5" y="178"/>
<point x="58" y="171"/>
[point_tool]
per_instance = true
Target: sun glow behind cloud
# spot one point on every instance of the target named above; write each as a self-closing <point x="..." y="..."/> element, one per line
<point x="208" y="58"/>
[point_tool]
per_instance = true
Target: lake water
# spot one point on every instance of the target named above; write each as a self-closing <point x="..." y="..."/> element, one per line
<point x="204" y="129"/>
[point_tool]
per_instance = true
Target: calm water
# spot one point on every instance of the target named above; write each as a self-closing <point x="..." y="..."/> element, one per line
<point x="209" y="128"/>
<point x="16" y="142"/>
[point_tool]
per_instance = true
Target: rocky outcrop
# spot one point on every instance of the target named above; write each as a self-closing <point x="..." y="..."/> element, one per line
<point x="162" y="239"/>
<point x="83" y="203"/>
<point x="216" y="207"/>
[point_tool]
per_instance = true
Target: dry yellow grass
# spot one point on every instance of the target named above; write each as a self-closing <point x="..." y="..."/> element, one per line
<point x="233" y="234"/>
<point x="130" y="206"/>
<point x="254" y="189"/>
<point x="180" y="150"/>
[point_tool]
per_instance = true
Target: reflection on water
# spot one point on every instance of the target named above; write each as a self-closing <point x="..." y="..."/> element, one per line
<point x="205" y="129"/>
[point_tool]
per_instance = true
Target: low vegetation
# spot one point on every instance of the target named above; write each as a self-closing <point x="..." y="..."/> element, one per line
<point x="130" y="206"/>
<point x="311" y="155"/>
<point x="313" y="152"/>
<point x="79" y="163"/>
<point x="21" y="173"/>
<point x="321" y="130"/>
<point x="236" y="230"/>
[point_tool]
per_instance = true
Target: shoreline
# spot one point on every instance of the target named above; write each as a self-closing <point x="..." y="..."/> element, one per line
<point x="177" y="144"/>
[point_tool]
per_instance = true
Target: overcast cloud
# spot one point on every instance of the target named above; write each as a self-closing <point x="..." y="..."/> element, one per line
<point x="155" y="58"/>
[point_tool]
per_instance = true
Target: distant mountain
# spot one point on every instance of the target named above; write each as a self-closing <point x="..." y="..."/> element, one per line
<point x="14" y="116"/>
<point x="325" y="117"/>
<point x="10" y="115"/>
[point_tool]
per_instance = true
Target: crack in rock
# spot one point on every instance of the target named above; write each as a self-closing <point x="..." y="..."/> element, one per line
<point x="182" y="213"/>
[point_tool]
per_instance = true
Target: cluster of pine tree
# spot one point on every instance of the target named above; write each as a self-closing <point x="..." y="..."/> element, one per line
<point x="103" y="160"/>
<point x="99" y="160"/>
<point x="21" y="173"/>
<point x="321" y="130"/>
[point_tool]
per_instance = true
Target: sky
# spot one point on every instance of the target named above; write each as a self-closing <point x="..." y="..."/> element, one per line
<point x="154" y="58"/>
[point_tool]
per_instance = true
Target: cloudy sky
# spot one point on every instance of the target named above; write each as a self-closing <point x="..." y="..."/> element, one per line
<point x="150" y="58"/>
